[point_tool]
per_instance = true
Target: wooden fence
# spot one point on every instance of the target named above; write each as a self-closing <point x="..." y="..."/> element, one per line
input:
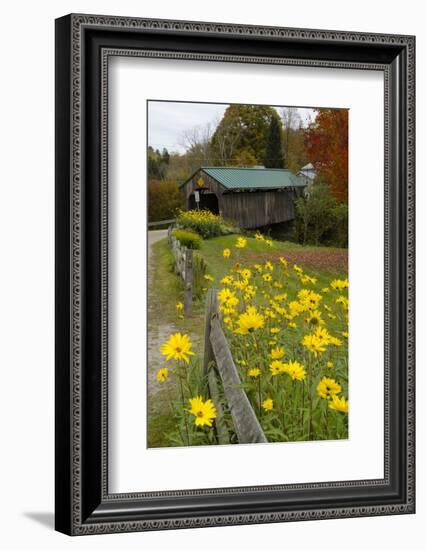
<point x="183" y="267"/>
<point x="216" y="350"/>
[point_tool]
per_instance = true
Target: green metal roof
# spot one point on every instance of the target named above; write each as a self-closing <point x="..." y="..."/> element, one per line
<point x="253" y="178"/>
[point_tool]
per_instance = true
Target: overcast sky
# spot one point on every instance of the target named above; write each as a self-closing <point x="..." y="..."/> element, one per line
<point x="169" y="120"/>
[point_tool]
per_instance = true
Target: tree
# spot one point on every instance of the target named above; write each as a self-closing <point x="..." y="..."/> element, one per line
<point x="242" y="128"/>
<point x="293" y="139"/>
<point x="274" y="152"/>
<point x="320" y="218"/>
<point x="326" y="142"/>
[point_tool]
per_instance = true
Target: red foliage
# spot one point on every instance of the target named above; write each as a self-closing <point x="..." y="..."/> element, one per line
<point x="326" y="142"/>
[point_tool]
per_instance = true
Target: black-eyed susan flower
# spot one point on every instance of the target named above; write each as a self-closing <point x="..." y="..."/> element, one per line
<point x="241" y="242"/>
<point x="179" y="306"/>
<point x="328" y="387"/>
<point x="275" y="330"/>
<point x="204" y="411"/>
<point x="339" y="404"/>
<point x="339" y="284"/>
<point x="208" y="277"/>
<point x="177" y="347"/>
<point x="227" y="297"/>
<point x="254" y="372"/>
<point x="313" y="344"/>
<point x="268" y="404"/>
<point x="296" y="370"/>
<point x="267" y="277"/>
<point x="249" y="321"/>
<point x="277" y="367"/>
<point x="226" y="252"/>
<point x="162" y="374"/>
<point x="277" y="353"/>
<point x="330" y="364"/>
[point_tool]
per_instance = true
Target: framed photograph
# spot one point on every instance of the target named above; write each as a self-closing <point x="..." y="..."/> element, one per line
<point x="234" y="274"/>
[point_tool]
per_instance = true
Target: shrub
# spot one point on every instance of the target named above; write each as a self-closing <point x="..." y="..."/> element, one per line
<point x="164" y="200"/>
<point x="190" y="239"/>
<point x="320" y="218"/>
<point x="204" y="222"/>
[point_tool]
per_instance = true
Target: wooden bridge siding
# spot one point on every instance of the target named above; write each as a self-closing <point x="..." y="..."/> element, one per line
<point x="210" y="184"/>
<point x="248" y="209"/>
<point x="258" y="208"/>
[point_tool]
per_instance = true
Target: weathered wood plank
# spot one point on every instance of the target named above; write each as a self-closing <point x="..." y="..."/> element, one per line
<point x="221" y="428"/>
<point x="187" y="277"/>
<point x="211" y="309"/>
<point x="247" y="426"/>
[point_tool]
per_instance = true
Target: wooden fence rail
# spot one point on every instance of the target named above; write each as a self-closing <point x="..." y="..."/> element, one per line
<point x="216" y="349"/>
<point x="162" y="222"/>
<point x="183" y="267"/>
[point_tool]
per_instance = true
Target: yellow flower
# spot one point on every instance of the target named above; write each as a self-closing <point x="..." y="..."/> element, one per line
<point x="208" y="277"/>
<point x="343" y="301"/>
<point x="204" y="411"/>
<point x="328" y="387"/>
<point x="292" y="325"/>
<point x="269" y="242"/>
<point x="314" y="318"/>
<point x="309" y="299"/>
<point x="179" y="306"/>
<point x="227" y="298"/>
<point x="277" y="367"/>
<point x="250" y="321"/>
<point x="339" y="284"/>
<point x="162" y="374"/>
<point x="295" y="370"/>
<point x="345" y="333"/>
<point x="339" y="404"/>
<point x="330" y="364"/>
<point x="241" y="242"/>
<point x="269" y="266"/>
<point x="305" y="279"/>
<point x="297" y="269"/>
<point x="246" y="273"/>
<point x="227" y="280"/>
<point x="254" y="373"/>
<point x="267" y="278"/>
<point x="275" y="330"/>
<point x="268" y="404"/>
<point x="284" y="262"/>
<point x="277" y="353"/>
<point x="226" y="252"/>
<point x="313" y="344"/>
<point x="258" y="236"/>
<point x="325" y="290"/>
<point x="258" y="268"/>
<point x="177" y="347"/>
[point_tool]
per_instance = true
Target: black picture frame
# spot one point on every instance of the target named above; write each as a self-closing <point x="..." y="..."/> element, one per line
<point x="83" y="46"/>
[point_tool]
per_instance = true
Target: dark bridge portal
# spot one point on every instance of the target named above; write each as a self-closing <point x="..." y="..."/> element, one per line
<point x="208" y="201"/>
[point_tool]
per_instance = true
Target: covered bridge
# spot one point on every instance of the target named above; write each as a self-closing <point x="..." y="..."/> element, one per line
<point x="250" y="197"/>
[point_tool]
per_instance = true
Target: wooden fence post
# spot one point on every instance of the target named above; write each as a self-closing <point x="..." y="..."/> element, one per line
<point x="169" y="234"/>
<point x="187" y="298"/>
<point x="211" y="308"/>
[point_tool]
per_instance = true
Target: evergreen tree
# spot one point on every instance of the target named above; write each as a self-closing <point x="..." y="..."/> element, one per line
<point x="273" y="154"/>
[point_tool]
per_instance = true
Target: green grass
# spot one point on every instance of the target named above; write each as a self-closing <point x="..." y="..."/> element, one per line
<point x="257" y="251"/>
<point x="166" y="289"/>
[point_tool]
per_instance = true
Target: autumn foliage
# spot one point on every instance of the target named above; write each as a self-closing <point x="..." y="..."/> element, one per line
<point x="326" y="143"/>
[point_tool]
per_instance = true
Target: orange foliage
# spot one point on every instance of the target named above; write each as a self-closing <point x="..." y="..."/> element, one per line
<point x="326" y="143"/>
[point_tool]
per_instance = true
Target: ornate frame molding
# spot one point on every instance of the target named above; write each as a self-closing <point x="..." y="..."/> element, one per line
<point x="72" y="46"/>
